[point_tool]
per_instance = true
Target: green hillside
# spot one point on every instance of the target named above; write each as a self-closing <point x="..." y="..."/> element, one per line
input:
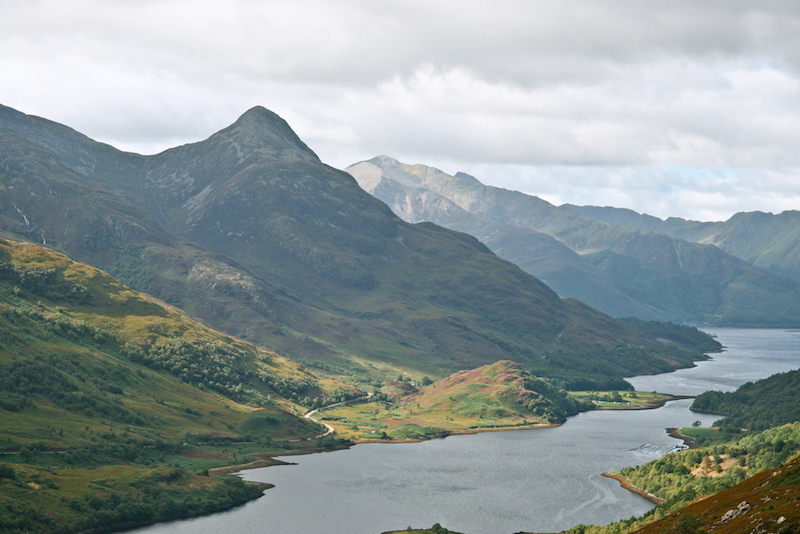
<point x="767" y="403"/>
<point x="696" y="489"/>
<point x="502" y="394"/>
<point x="114" y="406"/>
<point x="769" y="500"/>
<point x="249" y="232"/>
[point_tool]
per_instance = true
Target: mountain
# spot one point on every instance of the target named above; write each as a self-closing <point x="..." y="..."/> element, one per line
<point x="114" y="405"/>
<point x="770" y="242"/>
<point x="249" y="232"/>
<point x="71" y="335"/>
<point x="616" y="268"/>
<point x="535" y="252"/>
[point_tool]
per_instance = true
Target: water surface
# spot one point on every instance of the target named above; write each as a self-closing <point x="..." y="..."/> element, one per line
<point x="543" y="480"/>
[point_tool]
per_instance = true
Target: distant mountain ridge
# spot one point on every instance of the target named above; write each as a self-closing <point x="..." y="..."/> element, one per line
<point x="770" y="242"/>
<point x="250" y="232"/>
<point x="616" y="268"/>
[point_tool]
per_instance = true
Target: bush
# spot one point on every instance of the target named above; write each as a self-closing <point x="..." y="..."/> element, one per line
<point x="6" y="471"/>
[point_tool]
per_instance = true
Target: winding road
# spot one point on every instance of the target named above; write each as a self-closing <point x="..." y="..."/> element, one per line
<point x="331" y="430"/>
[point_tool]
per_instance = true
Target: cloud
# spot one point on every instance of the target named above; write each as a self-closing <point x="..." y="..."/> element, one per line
<point x="622" y="86"/>
<point x="692" y="193"/>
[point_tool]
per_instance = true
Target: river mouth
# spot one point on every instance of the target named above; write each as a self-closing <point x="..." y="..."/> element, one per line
<point x="543" y="480"/>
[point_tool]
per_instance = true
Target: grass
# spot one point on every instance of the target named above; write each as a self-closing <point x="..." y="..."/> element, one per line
<point x="95" y="434"/>
<point x="623" y="400"/>
<point x="492" y="396"/>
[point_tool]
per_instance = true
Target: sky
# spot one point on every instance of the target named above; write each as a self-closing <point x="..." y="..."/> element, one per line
<point x="686" y="108"/>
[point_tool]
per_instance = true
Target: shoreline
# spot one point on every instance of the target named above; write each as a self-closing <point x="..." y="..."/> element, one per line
<point x="649" y="405"/>
<point x="687" y="440"/>
<point x="458" y="433"/>
<point x="628" y="485"/>
<point x="269" y="459"/>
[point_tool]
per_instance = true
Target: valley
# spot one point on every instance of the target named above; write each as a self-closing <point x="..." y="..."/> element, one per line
<point x="163" y="317"/>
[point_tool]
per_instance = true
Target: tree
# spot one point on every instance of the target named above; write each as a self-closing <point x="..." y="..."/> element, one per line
<point x="6" y="471"/>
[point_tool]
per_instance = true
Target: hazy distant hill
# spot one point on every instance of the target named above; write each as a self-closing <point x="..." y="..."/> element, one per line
<point x="547" y="258"/>
<point x="770" y="242"/>
<point x="616" y="268"/>
<point x="250" y="232"/>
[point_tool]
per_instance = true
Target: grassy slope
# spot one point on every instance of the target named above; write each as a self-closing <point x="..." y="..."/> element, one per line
<point x="95" y="435"/>
<point x="498" y="395"/>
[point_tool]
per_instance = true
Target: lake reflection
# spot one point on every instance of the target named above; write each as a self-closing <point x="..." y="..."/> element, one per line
<point x="542" y="480"/>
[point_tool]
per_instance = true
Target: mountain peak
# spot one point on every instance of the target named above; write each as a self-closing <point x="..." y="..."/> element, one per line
<point x="469" y="177"/>
<point x="259" y="128"/>
<point x="261" y="115"/>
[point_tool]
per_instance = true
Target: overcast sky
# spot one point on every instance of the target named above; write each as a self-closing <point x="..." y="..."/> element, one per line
<point x="673" y="108"/>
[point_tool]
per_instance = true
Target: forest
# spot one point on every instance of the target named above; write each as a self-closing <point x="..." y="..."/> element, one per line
<point x="755" y="406"/>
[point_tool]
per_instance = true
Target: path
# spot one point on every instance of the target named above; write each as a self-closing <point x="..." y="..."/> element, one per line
<point x="331" y="430"/>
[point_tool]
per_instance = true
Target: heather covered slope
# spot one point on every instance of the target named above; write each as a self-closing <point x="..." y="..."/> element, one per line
<point x="502" y="386"/>
<point x="767" y="502"/>
<point x="629" y="272"/>
<point x="748" y="485"/>
<point x="250" y="232"/>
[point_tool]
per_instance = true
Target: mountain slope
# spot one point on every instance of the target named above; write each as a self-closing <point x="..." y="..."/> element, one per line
<point x="769" y="500"/>
<point x="80" y="320"/>
<point x="534" y="252"/>
<point x="114" y="406"/>
<point x="747" y="485"/>
<point x="248" y="231"/>
<point x="665" y="277"/>
<point x="770" y="242"/>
